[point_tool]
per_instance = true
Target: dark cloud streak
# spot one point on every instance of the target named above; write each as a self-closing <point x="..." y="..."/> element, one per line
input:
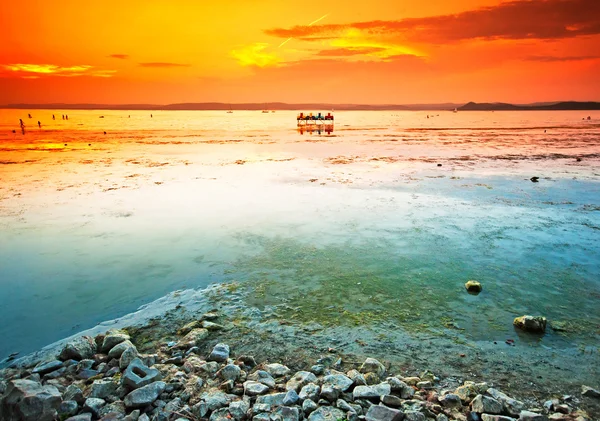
<point x="163" y="65"/>
<point x="119" y="56"/>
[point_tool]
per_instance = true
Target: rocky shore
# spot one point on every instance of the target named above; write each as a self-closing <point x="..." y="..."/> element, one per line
<point x="206" y="366"/>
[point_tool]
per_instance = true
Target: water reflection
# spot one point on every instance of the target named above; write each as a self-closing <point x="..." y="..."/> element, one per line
<point x="316" y="128"/>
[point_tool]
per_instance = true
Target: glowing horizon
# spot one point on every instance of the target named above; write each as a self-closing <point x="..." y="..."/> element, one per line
<point x="518" y="51"/>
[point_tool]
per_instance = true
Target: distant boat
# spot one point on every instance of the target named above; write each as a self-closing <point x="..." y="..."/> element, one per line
<point x="455" y="110"/>
<point x="265" y="111"/>
<point x="230" y="110"/>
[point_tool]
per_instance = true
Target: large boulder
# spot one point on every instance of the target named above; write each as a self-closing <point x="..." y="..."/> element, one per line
<point x="26" y="400"/>
<point x="535" y="324"/>
<point x="112" y="339"/>
<point x="383" y="413"/>
<point x="117" y="350"/>
<point x="144" y="396"/>
<point x="338" y="381"/>
<point x="79" y="349"/>
<point x="485" y="404"/>
<point x="509" y="405"/>
<point x="473" y="287"/>
<point x="138" y="375"/>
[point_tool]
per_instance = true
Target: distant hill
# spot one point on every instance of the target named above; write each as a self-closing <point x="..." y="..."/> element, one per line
<point x="500" y="106"/>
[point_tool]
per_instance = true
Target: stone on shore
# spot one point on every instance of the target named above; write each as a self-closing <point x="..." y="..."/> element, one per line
<point x="371" y="365"/>
<point x="326" y="413"/>
<point x="277" y="370"/>
<point x="26" y="400"/>
<point x="485" y="404"/>
<point x="230" y="372"/>
<point x="127" y="357"/>
<point x="238" y="409"/>
<point x="509" y="405"/>
<point x="310" y="391"/>
<point x="112" y="339"/>
<point x="473" y="287"/>
<point x="383" y="413"/>
<point x="589" y="392"/>
<point x="220" y="353"/>
<point x="78" y="349"/>
<point x="252" y="388"/>
<point x="94" y="405"/>
<point x="143" y="396"/>
<point x="86" y="416"/>
<point x="375" y="391"/>
<point x="117" y="350"/>
<point x="535" y="324"/>
<point x="194" y="338"/>
<point x="488" y="417"/>
<point x="291" y="397"/>
<point x="338" y="381"/>
<point x="138" y="375"/>
<point x="47" y="367"/>
<point x="300" y="379"/>
<point x="531" y="416"/>
<point x="103" y="388"/>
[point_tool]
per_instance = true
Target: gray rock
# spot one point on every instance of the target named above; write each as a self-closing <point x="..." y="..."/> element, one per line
<point x="230" y="372"/>
<point x="215" y="400"/>
<point x="74" y="393"/>
<point x="318" y="369"/>
<point x="509" y="405"/>
<point x="375" y="391"/>
<point x="78" y="349"/>
<point x="339" y="381"/>
<point x="488" y="417"/>
<point x="220" y="415"/>
<point x="144" y="417"/>
<point x="536" y="324"/>
<point x="401" y="388"/>
<point x="326" y="413"/>
<point x="193" y="338"/>
<point x="371" y="365"/>
<point x="115" y="410"/>
<point x="329" y="392"/>
<point x="112" y="339"/>
<point x="174" y="405"/>
<point x="261" y="407"/>
<point x="138" y="375"/>
<point x="103" y="388"/>
<point x="26" y="400"/>
<point x="127" y="357"/>
<point x="239" y="409"/>
<point x="383" y="413"/>
<point x="117" y="350"/>
<point x="144" y="395"/>
<point x="261" y="417"/>
<point x="133" y="416"/>
<point x="310" y="391"/>
<point x="531" y="416"/>
<point x="344" y="406"/>
<point x="285" y="413"/>
<point x="450" y="400"/>
<point x="485" y="404"/>
<point x="263" y="377"/>
<point x="414" y="416"/>
<point x="47" y="367"/>
<point x="220" y="353"/>
<point x="277" y="370"/>
<point x="291" y="398"/>
<point x="252" y="388"/>
<point x="308" y="406"/>
<point x="86" y="416"/>
<point x="441" y="417"/>
<point x="94" y="405"/>
<point x="391" y="400"/>
<point x="300" y="379"/>
<point x="68" y="408"/>
<point x="357" y="378"/>
<point x="274" y="399"/>
<point x="589" y="392"/>
<point x="425" y="385"/>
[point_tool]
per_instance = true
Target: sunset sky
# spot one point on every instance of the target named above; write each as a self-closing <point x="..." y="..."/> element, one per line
<point x="338" y="51"/>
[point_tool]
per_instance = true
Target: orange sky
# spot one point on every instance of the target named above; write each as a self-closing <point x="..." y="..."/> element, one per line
<point x="339" y="51"/>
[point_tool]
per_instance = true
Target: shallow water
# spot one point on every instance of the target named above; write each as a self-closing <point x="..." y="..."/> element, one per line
<point x="353" y="228"/>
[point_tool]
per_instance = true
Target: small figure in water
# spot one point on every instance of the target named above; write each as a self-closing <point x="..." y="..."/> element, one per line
<point x="29" y="115"/>
<point x="39" y="125"/>
<point x="52" y="116"/>
<point x="66" y="116"/>
<point x="589" y="117"/>
<point x="104" y="132"/>
<point x="22" y="126"/>
<point x="150" y="115"/>
<point x="63" y="116"/>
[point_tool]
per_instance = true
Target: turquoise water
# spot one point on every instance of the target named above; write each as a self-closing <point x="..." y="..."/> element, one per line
<point x="356" y="228"/>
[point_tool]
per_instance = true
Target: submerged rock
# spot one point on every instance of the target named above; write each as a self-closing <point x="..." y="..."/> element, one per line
<point x="535" y="324"/>
<point x="473" y="287"/>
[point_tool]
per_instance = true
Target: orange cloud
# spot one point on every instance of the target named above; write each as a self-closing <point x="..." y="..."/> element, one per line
<point x="255" y="55"/>
<point x="163" y="65"/>
<point x="521" y="19"/>
<point x="343" y="52"/>
<point x="33" y="71"/>
<point x="119" y="56"/>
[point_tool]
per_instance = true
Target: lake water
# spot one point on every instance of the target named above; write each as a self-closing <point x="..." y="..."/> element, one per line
<point x="354" y="227"/>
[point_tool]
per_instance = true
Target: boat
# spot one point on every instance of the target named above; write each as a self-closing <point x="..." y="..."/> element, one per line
<point x="230" y="110"/>
<point x="455" y="110"/>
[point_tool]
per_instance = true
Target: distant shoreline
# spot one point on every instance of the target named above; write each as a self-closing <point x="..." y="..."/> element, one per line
<point x="280" y="106"/>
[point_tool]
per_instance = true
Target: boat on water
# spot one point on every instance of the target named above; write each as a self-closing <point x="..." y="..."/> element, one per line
<point x="455" y="110"/>
<point x="230" y="111"/>
<point x="265" y="111"/>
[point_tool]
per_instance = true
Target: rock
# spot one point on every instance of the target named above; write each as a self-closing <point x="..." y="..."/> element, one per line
<point x="362" y="392"/>
<point x="86" y="416"/>
<point x="509" y="405"/>
<point x="411" y="381"/>
<point x="441" y="417"/>
<point x="535" y="179"/>
<point x="326" y="413"/>
<point x="211" y="326"/>
<point x="589" y="392"/>
<point x="536" y="324"/>
<point x="238" y="409"/>
<point x="67" y="409"/>
<point x="143" y="417"/>
<point x="372" y="378"/>
<point x="220" y="415"/>
<point x="300" y="379"/>
<point x="138" y="375"/>
<point x="339" y="381"/>
<point x="391" y="400"/>
<point x="531" y="416"/>
<point x="188" y="327"/>
<point x="274" y="399"/>
<point x="115" y="410"/>
<point x="414" y="416"/>
<point x="308" y="406"/>
<point x="220" y="353"/>
<point x="285" y="413"/>
<point x="112" y="339"/>
<point x="74" y="393"/>
<point x="133" y="416"/>
<point x="356" y="377"/>
<point x="252" y="388"/>
<point x="78" y="349"/>
<point x="215" y="400"/>
<point x="173" y="406"/>
<point x="344" y="406"/>
<point x="403" y="389"/>
<point x="450" y="400"/>
<point x="329" y="392"/>
<point x="277" y="370"/>
<point x="486" y="404"/>
<point x="488" y="417"/>
<point x="193" y="338"/>
<point x="383" y="413"/>
<point x="261" y="407"/>
<point x="247" y="361"/>
<point x="117" y="350"/>
<point x="310" y="391"/>
<point x="473" y="287"/>
<point x="103" y="388"/>
<point x="230" y="372"/>
<point x="94" y="405"/>
<point x="291" y="398"/>
<point x="469" y="390"/>
<point x="425" y="385"/>
<point x="127" y="357"/>
<point x="143" y="396"/>
<point x="26" y="400"/>
<point x="47" y="367"/>
<point x="261" y="417"/>
<point x="371" y="365"/>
